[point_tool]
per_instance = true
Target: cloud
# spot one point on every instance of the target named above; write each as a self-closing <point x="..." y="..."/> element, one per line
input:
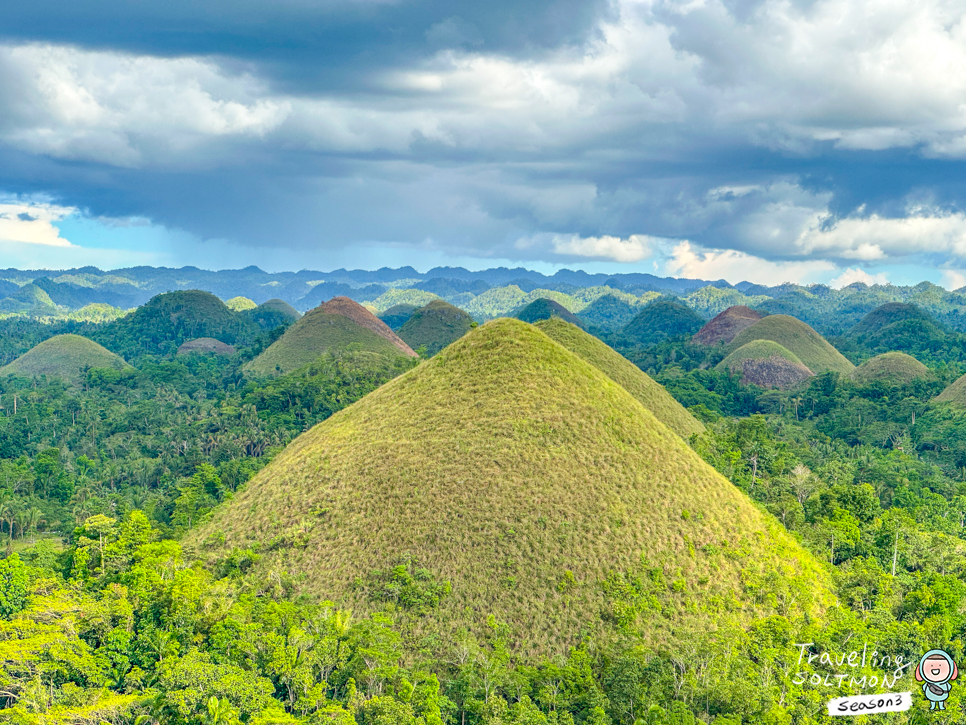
<point x="953" y="279"/>
<point x="736" y="267"/>
<point x="850" y="276"/>
<point x="32" y="223"/>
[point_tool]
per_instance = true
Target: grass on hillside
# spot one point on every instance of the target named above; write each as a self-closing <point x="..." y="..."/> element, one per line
<point x="725" y="326"/>
<point x="812" y="350"/>
<point x="538" y="487"/>
<point x="954" y="394"/>
<point x="896" y="368"/>
<point x="240" y="304"/>
<point x="316" y="334"/>
<point x="766" y="364"/>
<point x="757" y="350"/>
<point x="622" y="371"/>
<point x="64" y="356"/>
<point x="435" y="326"/>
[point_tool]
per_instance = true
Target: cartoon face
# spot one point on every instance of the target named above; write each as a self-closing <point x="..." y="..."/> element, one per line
<point x="936" y="668"/>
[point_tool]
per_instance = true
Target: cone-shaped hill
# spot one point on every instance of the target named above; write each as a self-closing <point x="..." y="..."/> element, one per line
<point x="897" y="326"/>
<point x="540" y="489"/>
<point x="622" y="371"/>
<point x="273" y="313"/>
<point x="67" y="357"/>
<point x="811" y="349"/>
<point x="29" y="299"/>
<point x="766" y="364"/>
<point x="726" y="325"/>
<point x="954" y="394"/>
<point x="240" y="304"/>
<point x="895" y="368"/>
<point x="435" y="326"/>
<point x="170" y="319"/>
<point x="660" y="320"/>
<point x="544" y="309"/>
<point x="339" y="325"/>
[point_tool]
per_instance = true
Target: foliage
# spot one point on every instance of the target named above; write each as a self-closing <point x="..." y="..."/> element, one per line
<point x="545" y="309"/>
<point x="435" y="326"/>
<point x="661" y="320"/>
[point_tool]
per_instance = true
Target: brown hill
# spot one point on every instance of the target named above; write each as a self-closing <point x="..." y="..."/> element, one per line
<point x="766" y="364"/>
<point x="206" y="344"/>
<point x="362" y="317"/>
<point x="725" y="327"/>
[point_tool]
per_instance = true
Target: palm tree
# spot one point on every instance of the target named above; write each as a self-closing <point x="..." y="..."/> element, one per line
<point x="220" y="712"/>
<point x="32" y="518"/>
<point x="9" y="514"/>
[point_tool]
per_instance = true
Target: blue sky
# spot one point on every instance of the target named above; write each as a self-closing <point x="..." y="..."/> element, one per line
<point x="768" y="140"/>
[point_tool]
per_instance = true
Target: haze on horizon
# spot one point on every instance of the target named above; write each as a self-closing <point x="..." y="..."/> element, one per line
<point x="760" y="140"/>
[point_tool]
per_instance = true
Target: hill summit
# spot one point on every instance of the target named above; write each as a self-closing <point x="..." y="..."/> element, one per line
<point x="523" y="483"/>
<point x="339" y="325"/>
<point x="435" y="326"/>
<point x="726" y="325"/>
<point x="67" y="357"/>
<point x="766" y="364"/>
<point x="896" y="368"/>
<point x="811" y="349"/>
<point x="544" y="309"/>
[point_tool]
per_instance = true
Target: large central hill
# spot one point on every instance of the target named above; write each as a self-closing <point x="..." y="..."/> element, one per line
<point x="813" y="350"/>
<point x="339" y="325"/>
<point x="67" y="357"/>
<point x="622" y="371"/>
<point x="540" y="489"/>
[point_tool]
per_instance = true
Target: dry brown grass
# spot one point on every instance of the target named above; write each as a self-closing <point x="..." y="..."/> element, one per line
<point x="500" y="465"/>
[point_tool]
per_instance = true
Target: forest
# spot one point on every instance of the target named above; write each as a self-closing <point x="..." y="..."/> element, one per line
<point x="106" y="616"/>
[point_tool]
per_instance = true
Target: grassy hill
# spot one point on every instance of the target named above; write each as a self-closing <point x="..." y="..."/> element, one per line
<point x="766" y="364"/>
<point x="895" y="368"/>
<point x="240" y="304"/>
<point x="544" y="309"/>
<point x="812" y="349"/>
<point x="168" y="320"/>
<point x="726" y="325"/>
<point x="435" y="326"/>
<point x="397" y="315"/>
<point x="339" y="325"/>
<point x="954" y="394"/>
<point x="622" y="371"/>
<point x="660" y="320"/>
<point x="273" y="313"/>
<point x="31" y="300"/>
<point x="64" y="356"/>
<point x="533" y="485"/>
<point x="889" y="314"/>
<point x="898" y="327"/>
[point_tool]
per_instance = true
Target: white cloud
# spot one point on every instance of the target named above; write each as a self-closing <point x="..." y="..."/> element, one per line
<point x="857" y="274"/>
<point x="633" y="249"/>
<point x="736" y="267"/>
<point x="953" y="279"/>
<point x="28" y="223"/>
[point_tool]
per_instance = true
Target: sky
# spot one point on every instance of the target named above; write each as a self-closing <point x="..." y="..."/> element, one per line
<point x="762" y="140"/>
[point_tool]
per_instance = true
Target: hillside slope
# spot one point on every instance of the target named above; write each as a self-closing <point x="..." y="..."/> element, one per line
<point x="725" y="327"/>
<point x="813" y="350"/>
<point x="660" y="320"/>
<point x="536" y="486"/>
<point x="622" y="371"/>
<point x="435" y="326"/>
<point x="766" y="364"/>
<point x="895" y="368"/>
<point x="64" y="356"/>
<point x="545" y="309"/>
<point x="339" y="325"/>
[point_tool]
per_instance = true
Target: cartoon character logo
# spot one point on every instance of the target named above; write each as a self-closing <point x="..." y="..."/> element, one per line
<point x="935" y="670"/>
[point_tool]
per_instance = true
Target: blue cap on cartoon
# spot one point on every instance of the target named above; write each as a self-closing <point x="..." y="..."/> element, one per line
<point x="935" y="670"/>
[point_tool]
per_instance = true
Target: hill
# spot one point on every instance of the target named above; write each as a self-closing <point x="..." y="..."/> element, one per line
<point x="898" y="327"/>
<point x="622" y="371"/>
<point x="64" y="356"/>
<point x="812" y="349"/>
<point x="544" y="309"/>
<point x="660" y="320"/>
<point x="168" y="320"/>
<point x="896" y="368"/>
<point x="889" y="314"/>
<point x="31" y="300"/>
<point x="397" y="315"/>
<point x="339" y="325"/>
<point x="521" y="483"/>
<point x="435" y="326"/>
<point x="766" y="364"/>
<point x="954" y="394"/>
<point x="240" y="304"/>
<point x="726" y="326"/>
<point x="206" y="344"/>
<point x="273" y="313"/>
<point x="608" y="312"/>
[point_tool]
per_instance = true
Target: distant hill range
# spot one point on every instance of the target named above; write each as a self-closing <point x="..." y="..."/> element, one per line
<point x="607" y="302"/>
